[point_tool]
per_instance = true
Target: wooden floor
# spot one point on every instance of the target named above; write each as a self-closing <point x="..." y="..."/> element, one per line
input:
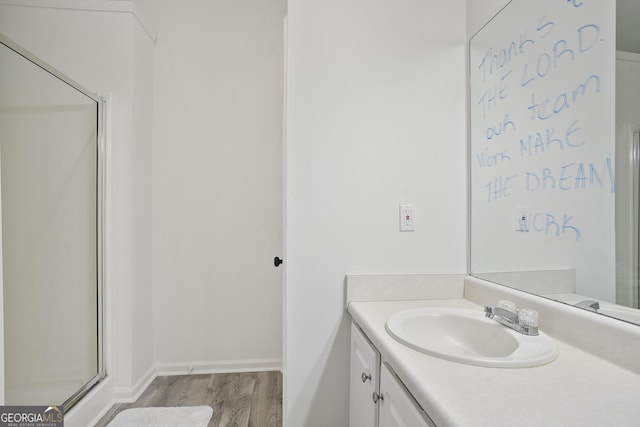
<point x="251" y="399"/>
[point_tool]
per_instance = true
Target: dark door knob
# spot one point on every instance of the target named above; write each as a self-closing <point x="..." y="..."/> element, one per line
<point x="277" y="261"/>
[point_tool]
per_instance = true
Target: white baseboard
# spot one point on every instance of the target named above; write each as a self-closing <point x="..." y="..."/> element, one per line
<point x="218" y="367"/>
<point x="131" y="394"/>
<point x="83" y="412"/>
<point x="98" y="401"/>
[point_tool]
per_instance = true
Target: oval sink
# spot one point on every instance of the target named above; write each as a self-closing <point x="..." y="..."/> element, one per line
<point x="467" y="336"/>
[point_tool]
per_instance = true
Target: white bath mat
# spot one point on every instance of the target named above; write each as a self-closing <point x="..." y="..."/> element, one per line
<point x="181" y="416"/>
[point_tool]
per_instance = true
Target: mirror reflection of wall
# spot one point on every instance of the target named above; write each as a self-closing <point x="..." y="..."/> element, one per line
<point x="49" y="160"/>
<point x="519" y="164"/>
<point x="627" y="169"/>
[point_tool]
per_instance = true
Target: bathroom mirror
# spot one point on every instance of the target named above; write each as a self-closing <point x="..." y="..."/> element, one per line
<point x="51" y="169"/>
<point x="553" y="191"/>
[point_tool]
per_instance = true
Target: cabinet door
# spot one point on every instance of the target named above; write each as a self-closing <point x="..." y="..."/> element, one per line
<point x="397" y="407"/>
<point x="364" y="380"/>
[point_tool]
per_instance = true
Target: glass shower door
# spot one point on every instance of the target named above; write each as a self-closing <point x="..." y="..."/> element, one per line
<point x="51" y="192"/>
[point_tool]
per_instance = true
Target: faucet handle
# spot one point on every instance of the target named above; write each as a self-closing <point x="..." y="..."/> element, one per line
<point x="507" y="305"/>
<point x="528" y="318"/>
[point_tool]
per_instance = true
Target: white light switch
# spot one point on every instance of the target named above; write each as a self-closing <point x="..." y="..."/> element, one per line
<point x="522" y="218"/>
<point x="407" y="218"/>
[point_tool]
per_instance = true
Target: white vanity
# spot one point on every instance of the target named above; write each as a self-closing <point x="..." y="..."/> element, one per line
<point x="594" y="379"/>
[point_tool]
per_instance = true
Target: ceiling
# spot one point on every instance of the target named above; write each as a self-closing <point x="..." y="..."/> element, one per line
<point x="628" y="21"/>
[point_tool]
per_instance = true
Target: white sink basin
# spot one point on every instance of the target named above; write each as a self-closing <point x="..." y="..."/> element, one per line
<point x="467" y="336"/>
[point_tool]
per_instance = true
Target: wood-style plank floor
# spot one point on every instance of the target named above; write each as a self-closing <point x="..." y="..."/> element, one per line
<point x="252" y="399"/>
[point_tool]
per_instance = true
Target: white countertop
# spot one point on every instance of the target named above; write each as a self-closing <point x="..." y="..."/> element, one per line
<point x="577" y="389"/>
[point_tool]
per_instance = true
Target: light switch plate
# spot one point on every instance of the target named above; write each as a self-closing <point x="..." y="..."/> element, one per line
<point x="407" y="218"/>
<point x="522" y="217"/>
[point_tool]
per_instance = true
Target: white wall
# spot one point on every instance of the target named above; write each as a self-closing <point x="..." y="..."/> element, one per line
<point x="141" y="196"/>
<point x="217" y="198"/>
<point x="376" y="117"/>
<point x="479" y="12"/>
<point x="108" y="53"/>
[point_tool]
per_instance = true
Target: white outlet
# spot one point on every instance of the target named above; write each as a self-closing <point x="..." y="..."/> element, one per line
<point x="522" y="218"/>
<point x="407" y="218"/>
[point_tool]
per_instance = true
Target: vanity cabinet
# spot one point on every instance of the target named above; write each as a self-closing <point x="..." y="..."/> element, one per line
<point x="397" y="406"/>
<point x="377" y="397"/>
<point x="364" y="380"/>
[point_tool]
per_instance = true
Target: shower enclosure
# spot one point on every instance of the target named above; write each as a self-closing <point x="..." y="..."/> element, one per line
<point x="51" y="204"/>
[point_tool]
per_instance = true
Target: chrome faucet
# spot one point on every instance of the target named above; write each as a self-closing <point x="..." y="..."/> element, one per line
<point x="588" y="305"/>
<point x="523" y="320"/>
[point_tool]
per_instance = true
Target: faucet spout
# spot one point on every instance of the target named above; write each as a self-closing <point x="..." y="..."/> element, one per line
<point x="524" y="321"/>
<point x="491" y="311"/>
<point x="588" y="305"/>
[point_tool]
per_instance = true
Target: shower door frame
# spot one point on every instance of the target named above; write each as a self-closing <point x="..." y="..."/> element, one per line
<point x="101" y="141"/>
<point x="634" y="156"/>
